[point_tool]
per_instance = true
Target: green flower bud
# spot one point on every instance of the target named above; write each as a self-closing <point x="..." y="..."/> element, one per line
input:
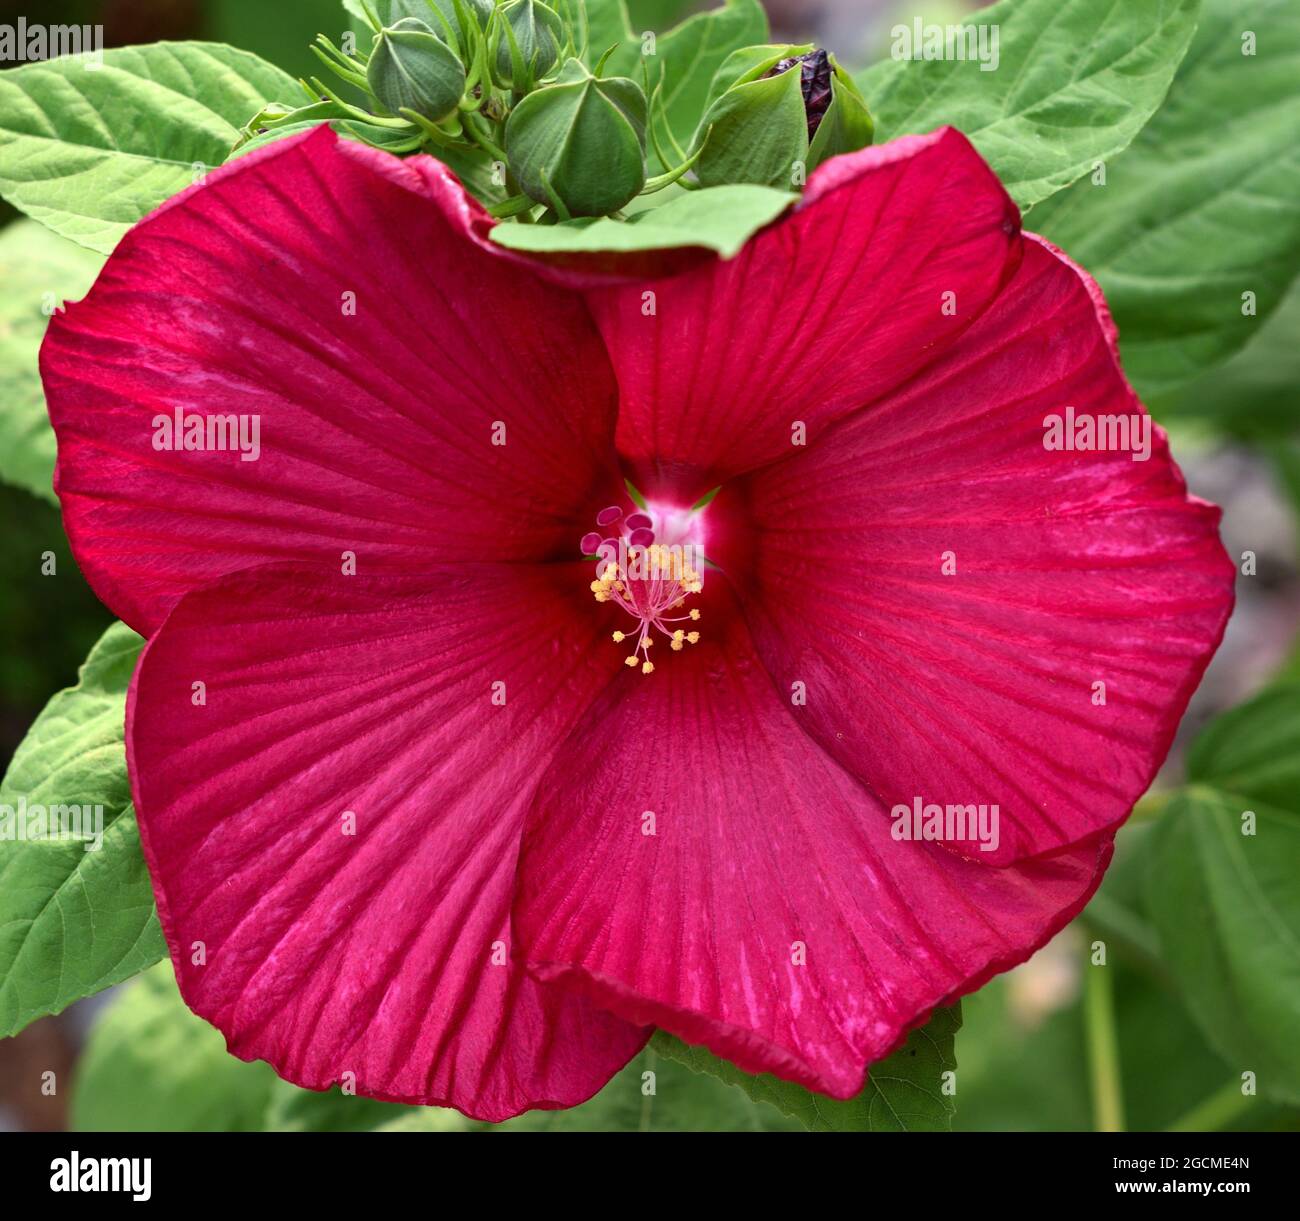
<point x="581" y="141"/>
<point x="776" y="114"/>
<point x="479" y="12"/>
<point x="412" y="68"/>
<point x="538" y="33"/>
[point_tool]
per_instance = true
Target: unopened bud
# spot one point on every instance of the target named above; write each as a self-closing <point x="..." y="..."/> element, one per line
<point x="775" y="108"/>
<point x="580" y="141"/>
<point x="479" y="11"/>
<point x="411" y="68"/>
<point x="538" y="32"/>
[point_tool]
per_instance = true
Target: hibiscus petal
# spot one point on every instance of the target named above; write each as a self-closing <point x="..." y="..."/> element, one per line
<point x="1071" y="569"/>
<point x="377" y="428"/>
<point x="764" y="851"/>
<point x="576" y="270"/>
<point x="387" y="952"/>
<point x="838" y="303"/>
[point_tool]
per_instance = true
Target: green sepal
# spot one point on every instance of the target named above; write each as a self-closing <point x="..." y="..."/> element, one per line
<point x="390" y="139"/>
<point x="749" y="63"/>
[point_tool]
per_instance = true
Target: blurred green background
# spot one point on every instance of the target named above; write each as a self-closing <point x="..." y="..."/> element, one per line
<point x="1022" y="1053"/>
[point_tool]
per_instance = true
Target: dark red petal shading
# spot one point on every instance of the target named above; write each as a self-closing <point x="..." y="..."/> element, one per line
<point x="1071" y="568"/>
<point x="761" y="841"/>
<point x="376" y="429"/>
<point x="837" y="304"/>
<point x="371" y="953"/>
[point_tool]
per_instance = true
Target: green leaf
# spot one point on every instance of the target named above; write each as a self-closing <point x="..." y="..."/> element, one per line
<point x="653" y="14"/>
<point x="1205" y="205"/>
<point x="682" y="1101"/>
<point x="292" y="1109"/>
<point x="652" y="1094"/>
<point x="397" y="141"/>
<point x="74" y="918"/>
<point x="271" y="134"/>
<point x="1252" y="396"/>
<point x="477" y="173"/>
<point x="904" y="1093"/>
<point x="1224" y="902"/>
<point x="427" y="1119"/>
<point x="659" y="1093"/>
<point x="359" y="24"/>
<point x="718" y="218"/>
<point x="89" y="152"/>
<point x="1074" y="83"/>
<point x="608" y="25"/>
<point x="39" y="271"/>
<point x="1254" y="751"/>
<point x="150" y="1065"/>
<point x="688" y="55"/>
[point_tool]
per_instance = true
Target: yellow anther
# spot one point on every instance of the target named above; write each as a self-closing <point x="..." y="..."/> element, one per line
<point x="656" y="574"/>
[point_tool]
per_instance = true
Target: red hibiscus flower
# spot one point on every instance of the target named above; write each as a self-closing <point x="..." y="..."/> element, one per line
<point x="408" y="813"/>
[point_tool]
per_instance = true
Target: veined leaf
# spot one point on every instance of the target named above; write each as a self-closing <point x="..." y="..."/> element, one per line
<point x="88" y="151"/>
<point x="39" y="271"/>
<point x="904" y="1093"/>
<point x="150" y="1065"/>
<point x="1072" y="84"/>
<point x="75" y="915"/>
<point x="1204" y="208"/>
<point x="717" y="218"/>
<point x="1221" y="888"/>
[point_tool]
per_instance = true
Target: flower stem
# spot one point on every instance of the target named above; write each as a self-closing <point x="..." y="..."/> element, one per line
<point x="1214" y="1113"/>
<point x="1103" y="1048"/>
<point x="511" y="207"/>
<point x="489" y="146"/>
<point x="666" y="180"/>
